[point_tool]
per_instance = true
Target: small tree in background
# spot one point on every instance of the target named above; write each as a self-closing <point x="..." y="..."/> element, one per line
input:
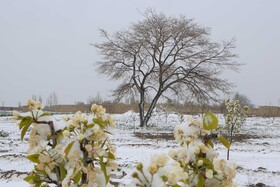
<point x="235" y="118"/>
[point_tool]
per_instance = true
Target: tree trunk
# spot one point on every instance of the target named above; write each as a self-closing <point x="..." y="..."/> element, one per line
<point x="144" y="118"/>
<point x="54" y="143"/>
<point x="228" y="154"/>
<point x="141" y="106"/>
<point x="231" y="137"/>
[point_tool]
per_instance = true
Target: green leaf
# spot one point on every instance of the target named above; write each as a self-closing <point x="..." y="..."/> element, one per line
<point x="210" y="143"/>
<point x="111" y="156"/>
<point x="210" y="121"/>
<point x="201" y="181"/>
<point x="164" y="178"/>
<point x="103" y="168"/>
<point x="59" y="135"/>
<point x="99" y="121"/>
<point x="68" y="148"/>
<point x="45" y="114"/>
<point x="207" y="163"/>
<point x="34" y="158"/>
<point x="29" y="177"/>
<point x="90" y="125"/>
<point x="176" y="185"/>
<point x="26" y="120"/>
<point x="38" y="184"/>
<point x="63" y="171"/>
<point x="40" y="172"/>
<point x="78" y="177"/>
<point x="224" y="141"/>
<point x="32" y="177"/>
<point x="25" y="128"/>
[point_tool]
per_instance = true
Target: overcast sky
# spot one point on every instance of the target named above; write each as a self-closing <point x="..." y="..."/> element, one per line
<point x="45" y="45"/>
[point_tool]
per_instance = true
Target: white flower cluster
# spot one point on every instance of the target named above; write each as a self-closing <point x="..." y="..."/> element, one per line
<point x="193" y="162"/>
<point x="79" y="154"/>
<point x="90" y="139"/>
<point x="32" y="105"/>
<point x="38" y="138"/>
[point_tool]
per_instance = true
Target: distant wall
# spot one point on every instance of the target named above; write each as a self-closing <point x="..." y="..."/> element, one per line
<point x="4" y="108"/>
<point x="266" y="111"/>
<point x="119" y="108"/>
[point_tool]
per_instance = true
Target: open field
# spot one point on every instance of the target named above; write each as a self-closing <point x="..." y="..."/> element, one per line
<point x="256" y="153"/>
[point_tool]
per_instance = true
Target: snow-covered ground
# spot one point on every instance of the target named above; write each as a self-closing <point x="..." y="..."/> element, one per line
<point x="257" y="156"/>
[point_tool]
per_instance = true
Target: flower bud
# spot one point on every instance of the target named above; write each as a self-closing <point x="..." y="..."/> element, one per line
<point x="88" y="147"/>
<point x="188" y="140"/>
<point x="203" y="148"/>
<point x="196" y="150"/>
<point x="40" y="167"/>
<point x="135" y="175"/>
<point x="48" y="170"/>
<point x="30" y="103"/>
<point x="16" y="114"/>
<point x="153" y="168"/>
<point x="44" y="184"/>
<point x="172" y="153"/>
<point x="66" y="133"/>
<point x="38" y="106"/>
<point x="80" y="137"/>
<point x="199" y="162"/>
<point x="209" y="173"/>
<point x="139" y="166"/>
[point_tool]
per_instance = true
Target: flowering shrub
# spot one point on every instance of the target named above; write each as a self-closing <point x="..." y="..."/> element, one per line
<point x="77" y="153"/>
<point x="74" y="153"/>
<point x="235" y="118"/>
<point x="193" y="164"/>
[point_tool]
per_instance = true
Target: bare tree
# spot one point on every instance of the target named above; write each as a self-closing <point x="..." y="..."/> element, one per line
<point x="163" y="57"/>
<point x="96" y="99"/>
<point x="130" y="99"/>
<point x="52" y="100"/>
<point x="34" y="97"/>
<point x="40" y="99"/>
<point x="243" y="100"/>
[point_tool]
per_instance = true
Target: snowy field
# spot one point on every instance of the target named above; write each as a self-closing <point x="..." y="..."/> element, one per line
<point x="257" y="154"/>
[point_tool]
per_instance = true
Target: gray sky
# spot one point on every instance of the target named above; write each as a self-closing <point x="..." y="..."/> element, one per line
<point x="45" y="45"/>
